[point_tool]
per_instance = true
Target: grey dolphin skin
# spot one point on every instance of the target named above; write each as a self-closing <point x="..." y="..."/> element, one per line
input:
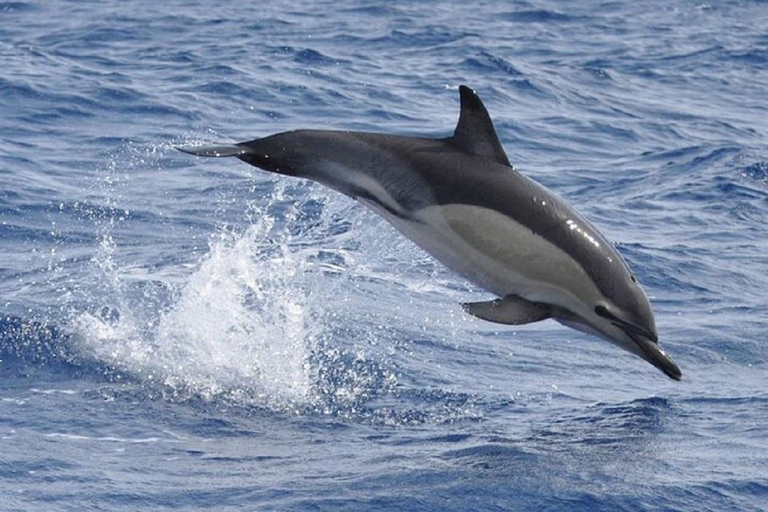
<point x="460" y="200"/>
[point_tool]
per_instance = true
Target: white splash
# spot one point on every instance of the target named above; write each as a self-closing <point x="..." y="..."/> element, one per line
<point x="241" y="319"/>
<point x="239" y="327"/>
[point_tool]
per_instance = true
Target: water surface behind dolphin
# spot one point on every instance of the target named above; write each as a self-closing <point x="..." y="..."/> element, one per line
<point x="195" y="334"/>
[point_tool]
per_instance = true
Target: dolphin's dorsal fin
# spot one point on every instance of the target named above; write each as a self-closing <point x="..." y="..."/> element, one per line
<point x="475" y="133"/>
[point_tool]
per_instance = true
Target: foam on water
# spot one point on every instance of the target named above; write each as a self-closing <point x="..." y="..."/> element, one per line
<point x="239" y="323"/>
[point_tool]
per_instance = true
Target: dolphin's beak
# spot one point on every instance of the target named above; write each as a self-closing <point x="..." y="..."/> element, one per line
<point x="653" y="353"/>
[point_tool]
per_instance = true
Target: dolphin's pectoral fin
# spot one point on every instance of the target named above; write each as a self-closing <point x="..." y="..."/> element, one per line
<point x="510" y="310"/>
<point x="215" y="150"/>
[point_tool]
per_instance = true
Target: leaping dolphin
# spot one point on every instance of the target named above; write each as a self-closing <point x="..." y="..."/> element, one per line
<point x="461" y="200"/>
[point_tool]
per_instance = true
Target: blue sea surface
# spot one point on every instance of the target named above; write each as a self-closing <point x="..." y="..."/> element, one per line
<point x="188" y="333"/>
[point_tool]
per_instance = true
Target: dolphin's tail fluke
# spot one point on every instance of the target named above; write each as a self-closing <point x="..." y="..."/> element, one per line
<point x="280" y="153"/>
<point x="215" y="150"/>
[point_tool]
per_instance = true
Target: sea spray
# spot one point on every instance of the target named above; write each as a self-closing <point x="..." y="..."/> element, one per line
<point x="239" y="323"/>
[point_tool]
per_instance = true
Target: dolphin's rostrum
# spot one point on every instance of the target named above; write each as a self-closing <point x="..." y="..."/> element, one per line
<point x="460" y="200"/>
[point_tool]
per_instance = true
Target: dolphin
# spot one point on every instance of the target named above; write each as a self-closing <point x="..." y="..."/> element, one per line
<point x="461" y="200"/>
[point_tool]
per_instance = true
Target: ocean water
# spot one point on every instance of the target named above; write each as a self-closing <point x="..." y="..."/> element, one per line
<point x="187" y="333"/>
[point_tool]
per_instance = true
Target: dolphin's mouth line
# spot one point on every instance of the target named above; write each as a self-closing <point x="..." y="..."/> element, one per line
<point x="624" y="325"/>
<point x="656" y="356"/>
<point x="633" y="329"/>
<point x="637" y="342"/>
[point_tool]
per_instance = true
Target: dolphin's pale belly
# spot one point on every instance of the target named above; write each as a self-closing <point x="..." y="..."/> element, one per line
<point x="497" y="253"/>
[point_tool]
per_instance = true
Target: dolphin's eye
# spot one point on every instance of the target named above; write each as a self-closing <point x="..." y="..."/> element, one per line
<point x="603" y="312"/>
<point x="633" y="278"/>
